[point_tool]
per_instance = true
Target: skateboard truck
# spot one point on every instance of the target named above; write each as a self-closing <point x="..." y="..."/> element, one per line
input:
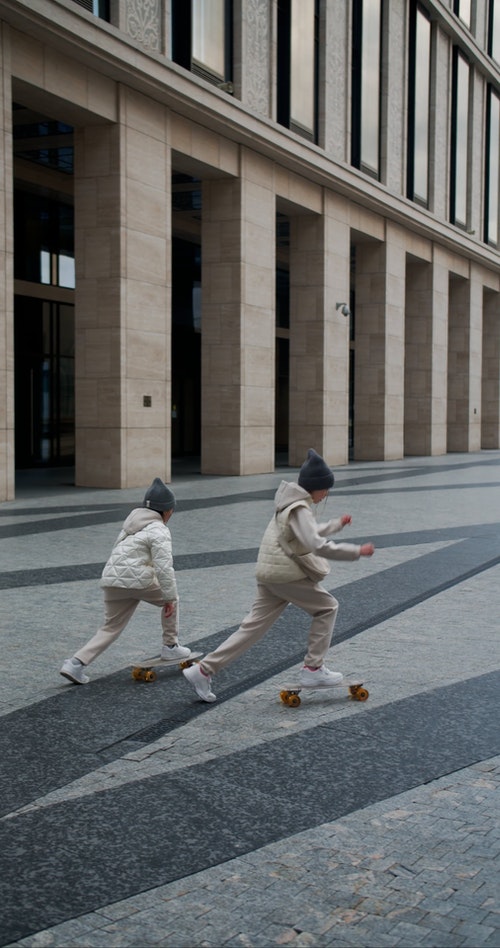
<point x="290" y="696"/>
<point x="145" y="671"/>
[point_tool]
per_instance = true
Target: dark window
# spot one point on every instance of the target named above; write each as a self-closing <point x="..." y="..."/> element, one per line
<point x="418" y="105"/>
<point x="99" y="8"/>
<point x="202" y="38"/>
<point x="492" y="167"/>
<point x="494" y="30"/>
<point x="43" y="240"/>
<point x="298" y="38"/>
<point x="459" y="139"/>
<point x="366" y="63"/>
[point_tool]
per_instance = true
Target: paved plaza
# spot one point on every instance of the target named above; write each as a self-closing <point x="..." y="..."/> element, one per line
<point x="135" y="815"/>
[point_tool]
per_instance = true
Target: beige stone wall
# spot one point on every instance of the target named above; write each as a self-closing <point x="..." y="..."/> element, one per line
<point x="122" y="213"/>
<point x="238" y="330"/>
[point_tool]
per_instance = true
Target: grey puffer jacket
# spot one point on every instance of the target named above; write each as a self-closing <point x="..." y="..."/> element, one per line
<point x="295" y="520"/>
<point x="142" y="555"/>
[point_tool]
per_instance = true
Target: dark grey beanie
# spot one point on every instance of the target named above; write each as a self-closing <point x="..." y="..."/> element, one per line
<point x="159" y="497"/>
<point x="314" y="473"/>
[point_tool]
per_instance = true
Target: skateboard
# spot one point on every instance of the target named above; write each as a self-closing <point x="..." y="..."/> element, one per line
<point x="290" y="696"/>
<point x="144" y="671"/>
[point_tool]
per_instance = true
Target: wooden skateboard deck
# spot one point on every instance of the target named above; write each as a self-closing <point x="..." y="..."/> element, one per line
<point x="356" y="691"/>
<point x="144" y="671"/>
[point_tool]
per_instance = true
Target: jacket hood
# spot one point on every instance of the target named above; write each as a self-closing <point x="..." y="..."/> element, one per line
<point x="140" y="518"/>
<point x="289" y="493"/>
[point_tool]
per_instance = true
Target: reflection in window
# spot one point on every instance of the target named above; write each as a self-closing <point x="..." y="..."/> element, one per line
<point x="462" y="8"/>
<point x="366" y="60"/>
<point x="459" y="139"/>
<point x="297" y="66"/>
<point x="201" y="38"/>
<point x="418" y="111"/>
<point x="207" y="30"/>
<point x="494" y="30"/>
<point x="492" y="167"/>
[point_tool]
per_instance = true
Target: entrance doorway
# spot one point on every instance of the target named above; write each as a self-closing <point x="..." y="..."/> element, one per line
<point x="44" y="383"/>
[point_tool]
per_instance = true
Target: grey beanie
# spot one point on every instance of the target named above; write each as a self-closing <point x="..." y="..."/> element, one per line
<point x="159" y="497"/>
<point x="314" y="473"/>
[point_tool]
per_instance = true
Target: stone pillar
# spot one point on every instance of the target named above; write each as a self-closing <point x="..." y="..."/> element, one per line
<point x="238" y="321"/>
<point x="459" y="364"/>
<point x="379" y="354"/>
<point x="490" y="395"/>
<point x="7" y="458"/>
<point x="319" y="334"/>
<point x="439" y="351"/>
<point x="123" y="282"/>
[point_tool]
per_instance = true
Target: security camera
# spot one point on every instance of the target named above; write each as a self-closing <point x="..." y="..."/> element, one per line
<point x="344" y="309"/>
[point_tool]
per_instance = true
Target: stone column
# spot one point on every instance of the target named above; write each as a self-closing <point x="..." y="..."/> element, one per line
<point x="379" y="354"/>
<point x="123" y="282"/>
<point x="319" y="333"/>
<point x="7" y="459"/>
<point x="238" y="321"/>
<point x="490" y="396"/>
<point x="439" y="352"/>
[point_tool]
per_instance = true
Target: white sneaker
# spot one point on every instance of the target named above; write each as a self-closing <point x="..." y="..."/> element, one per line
<point x="320" y="678"/>
<point x="200" y="682"/>
<point x="171" y="653"/>
<point x="74" y="671"/>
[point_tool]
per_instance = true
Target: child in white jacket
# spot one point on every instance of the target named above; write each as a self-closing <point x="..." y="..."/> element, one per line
<point x="291" y="563"/>
<point x="140" y="568"/>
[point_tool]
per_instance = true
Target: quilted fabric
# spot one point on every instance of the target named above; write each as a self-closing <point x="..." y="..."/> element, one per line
<point x="142" y="555"/>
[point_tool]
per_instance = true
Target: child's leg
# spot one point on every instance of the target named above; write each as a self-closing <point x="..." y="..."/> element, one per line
<point x="267" y="607"/>
<point x="119" y="606"/>
<point x="169" y="624"/>
<point x="323" y="608"/>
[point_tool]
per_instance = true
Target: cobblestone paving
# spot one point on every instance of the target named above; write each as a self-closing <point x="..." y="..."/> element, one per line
<point x="419" y="868"/>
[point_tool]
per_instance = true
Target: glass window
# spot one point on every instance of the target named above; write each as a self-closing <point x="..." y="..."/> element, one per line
<point x="494" y="30"/>
<point x="418" y="112"/>
<point x="201" y="38"/>
<point x="459" y="139"/>
<point x="302" y="72"/>
<point x="462" y="8"/>
<point x="99" y="8"/>
<point x="298" y="65"/>
<point x="207" y="31"/>
<point x="492" y="167"/>
<point x="366" y="59"/>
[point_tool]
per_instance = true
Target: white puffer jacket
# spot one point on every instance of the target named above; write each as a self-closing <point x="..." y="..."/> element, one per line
<point x="296" y="522"/>
<point x="142" y="555"/>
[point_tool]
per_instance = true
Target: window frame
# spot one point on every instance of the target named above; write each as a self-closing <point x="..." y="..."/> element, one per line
<point x="417" y="10"/>
<point x="357" y="64"/>
<point x="181" y="45"/>
<point x="284" y="67"/>
<point x="491" y="180"/>
<point x="458" y="56"/>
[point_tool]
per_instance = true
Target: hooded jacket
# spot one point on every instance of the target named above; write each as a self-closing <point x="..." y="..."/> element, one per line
<point x="295" y="520"/>
<point x="142" y="555"/>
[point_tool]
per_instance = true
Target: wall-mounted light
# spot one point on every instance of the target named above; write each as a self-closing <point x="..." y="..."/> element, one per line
<point x="344" y="309"/>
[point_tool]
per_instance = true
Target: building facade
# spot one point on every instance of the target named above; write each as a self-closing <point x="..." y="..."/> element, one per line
<point x="240" y="228"/>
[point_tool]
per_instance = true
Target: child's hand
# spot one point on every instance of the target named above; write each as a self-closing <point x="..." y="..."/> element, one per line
<point x="346" y="519"/>
<point x="168" y="609"/>
<point x="367" y="549"/>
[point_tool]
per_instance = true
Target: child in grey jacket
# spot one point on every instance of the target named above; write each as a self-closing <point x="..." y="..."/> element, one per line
<point x="292" y="561"/>
<point x="140" y="568"/>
